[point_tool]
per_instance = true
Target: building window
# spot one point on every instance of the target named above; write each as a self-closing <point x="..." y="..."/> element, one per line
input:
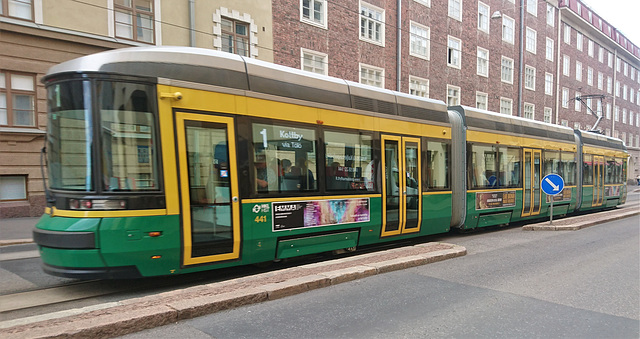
<point x="600" y="80"/>
<point x="370" y="75"/>
<point x="13" y="187"/>
<point x="618" y="89"/>
<point x="483" y="17"/>
<point x="576" y="125"/>
<point x="610" y="60"/>
<point x="453" y="95"/>
<point x="566" y="63"/>
<point x="618" y="61"/>
<point x="371" y="24"/>
<point x="314" y="62"/>
<point x="506" y="106"/>
<point x="454" y="52"/>
<point x="419" y="86"/>
<point x="134" y="20"/>
<point x="532" y="7"/>
<point x="565" y="97"/>
<point x="599" y="108"/>
<point x="608" y="111"/>
<point x="548" y="83"/>
<point x="589" y="103"/>
<point x="624" y="115"/>
<point x="579" y="42"/>
<point x="424" y="2"/>
<point x="609" y="85"/>
<point x="508" y="25"/>
<point x="314" y="12"/>
<point x="564" y="123"/>
<point x="567" y="34"/>
<point x="549" y="49"/>
<point x="420" y="36"/>
<point x="576" y="102"/>
<point x="601" y="54"/>
<point x="235" y="37"/>
<point x="531" y="39"/>
<point x="547" y="115"/>
<point x="483" y="62"/>
<point x="17" y="99"/>
<point x="529" y="111"/>
<point x="551" y="15"/>
<point x="624" y="92"/>
<point x="626" y="69"/>
<point x="530" y="78"/>
<point x="589" y="76"/>
<point x="590" y="48"/>
<point x="578" y="71"/>
<point x="506" y="70"/>
<point x="616" y="113"/>
<point x="18" y="9"/>
<point x="482" y="100"/>
<point x="455" y="9"/>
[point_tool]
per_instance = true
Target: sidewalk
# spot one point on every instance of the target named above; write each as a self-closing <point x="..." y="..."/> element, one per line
<point x="14" y="231"/>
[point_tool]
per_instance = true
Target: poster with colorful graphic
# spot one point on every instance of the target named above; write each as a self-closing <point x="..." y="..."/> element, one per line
<point x="487" y="200"/>
<point x="301" y="214"/>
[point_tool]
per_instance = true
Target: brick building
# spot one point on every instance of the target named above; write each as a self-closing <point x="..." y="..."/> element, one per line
<point x="507" y="56"/>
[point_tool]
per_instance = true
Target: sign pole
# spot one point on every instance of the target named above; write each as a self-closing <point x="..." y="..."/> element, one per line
<point x="552" y="184"/>
<point x="551" y="216"/>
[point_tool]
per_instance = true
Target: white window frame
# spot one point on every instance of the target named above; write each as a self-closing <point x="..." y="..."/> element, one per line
<point x="417" y="39"/>
<point x="484" y="15"/>
<point x="578" y="70"/>
<point x="368" y="20"/>
<point x="590" y="48"/>
<point x="482" y="99"/>
<point x="576" y="102"/>
<point x="416" y="82"/>
<point x="506" y="106"/>
<point x="371" y="70"/>
<point x="567" y="34"/>
<point x="503" y="68"/>
<point x="311" y="19"/>
<point x="454" y="9"/>
<point x="548" y="83"/>
<point x="482" y="67"/>
<point x="566" y="65"/>
<point x="13" y="187"/>
<point x="529" y="111"/>
<point x="608" y="111"/>
<point x="551" y="15"/>
<point x="508" y="29"/>
<point x="532" y="7"/>
<point x="565" y="97"/>
<point x="548" y="114"/>
<point x="424" y="2"/>
<point x="609" y="85"/>
<point x="531" y="40"/>
<point x="589" y="76"/>
<point x="601" y="54"/>
<point x="454" y="56"/>
<point x="600" y="80"/>
<point x="530" y="77"/>
<point x="579" y="42"/>
<point x="549" y="48"/>
<point x="315" y="55"/>
<point x="456" y="97"/>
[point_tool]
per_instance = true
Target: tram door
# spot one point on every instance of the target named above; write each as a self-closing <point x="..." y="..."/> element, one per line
<point x="208" y="188"/>
<point x="598" y="180"/>
<point x="401" y="188"/>
<point x="531" y="190"/>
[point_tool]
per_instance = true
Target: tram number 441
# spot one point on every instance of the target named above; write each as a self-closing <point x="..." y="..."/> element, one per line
<point x="261" y="218"/>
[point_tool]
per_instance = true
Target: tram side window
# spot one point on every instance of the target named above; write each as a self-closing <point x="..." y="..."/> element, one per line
<point x="348" y="161"/>
<point x="437" y="165"/>
<point x="284" y="158"/>
<point x="127" y="132"/>
<point x="483" y="167"/>
<point x="568" y="168"/>
<point x="611" y="176"/>
<point x="587" y="169"/>
<point x="510" y="160"/>
<point x="552" y="163"/>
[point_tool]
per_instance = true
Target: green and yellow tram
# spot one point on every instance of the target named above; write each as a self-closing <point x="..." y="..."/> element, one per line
<point x="168" y="160"/>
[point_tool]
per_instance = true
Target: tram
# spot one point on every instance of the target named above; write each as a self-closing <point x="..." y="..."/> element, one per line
<point x="171" y="160"/>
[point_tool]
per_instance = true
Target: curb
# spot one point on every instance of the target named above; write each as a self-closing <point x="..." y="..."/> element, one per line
<point x="138" y="314"/>
<point x="578" y="223"/>
<point x="15" y="242"/>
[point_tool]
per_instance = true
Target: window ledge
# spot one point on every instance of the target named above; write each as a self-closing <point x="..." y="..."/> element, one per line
<point x="22" y="130"/>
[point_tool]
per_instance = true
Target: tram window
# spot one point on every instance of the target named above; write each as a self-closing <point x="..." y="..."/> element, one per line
<point x="483" y="167"/>
<point x="510" y="160"/>
<point x="437" y="165"/>
<point x="587" y="169"/>
<point x="552" y="163"/>
<point x="284" y="158"/>
<point x="611" y="170"/>
<point x="349" y="163"/>
<point x="568" y="168"/>
<point x="127" y="132"/>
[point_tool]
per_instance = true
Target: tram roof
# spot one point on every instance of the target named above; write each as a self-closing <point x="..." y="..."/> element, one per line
<point x="205" y="66"/>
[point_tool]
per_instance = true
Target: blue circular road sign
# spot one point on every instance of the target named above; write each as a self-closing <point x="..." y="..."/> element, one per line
<point x="552" y="184"/>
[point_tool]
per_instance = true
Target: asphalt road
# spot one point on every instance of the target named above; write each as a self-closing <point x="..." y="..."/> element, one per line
<point x="512" y="283"/>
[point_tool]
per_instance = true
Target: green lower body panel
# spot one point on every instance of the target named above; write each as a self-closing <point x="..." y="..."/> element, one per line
<point x="71" y="258"/>
<point x="315" y="244"/>
<point x="494" y="219"/>
<point x="613" y="202"/>
<point x="560" y="210"/>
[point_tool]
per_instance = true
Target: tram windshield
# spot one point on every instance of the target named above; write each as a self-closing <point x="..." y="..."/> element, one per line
<point x="116" y="155"/>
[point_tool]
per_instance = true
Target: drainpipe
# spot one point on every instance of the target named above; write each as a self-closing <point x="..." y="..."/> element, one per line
<point x="558" y="74"/>
<point x="399" y="42"/>
<point x="521" y="76"/>
<point x="192" y="23"/>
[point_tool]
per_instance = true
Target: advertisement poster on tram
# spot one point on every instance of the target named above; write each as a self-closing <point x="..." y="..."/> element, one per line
<point x="301" y="214"/>
<point x="487" y="200"/>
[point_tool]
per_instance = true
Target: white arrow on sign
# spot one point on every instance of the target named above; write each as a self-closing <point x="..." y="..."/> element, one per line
<point x="555" y="188"/>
